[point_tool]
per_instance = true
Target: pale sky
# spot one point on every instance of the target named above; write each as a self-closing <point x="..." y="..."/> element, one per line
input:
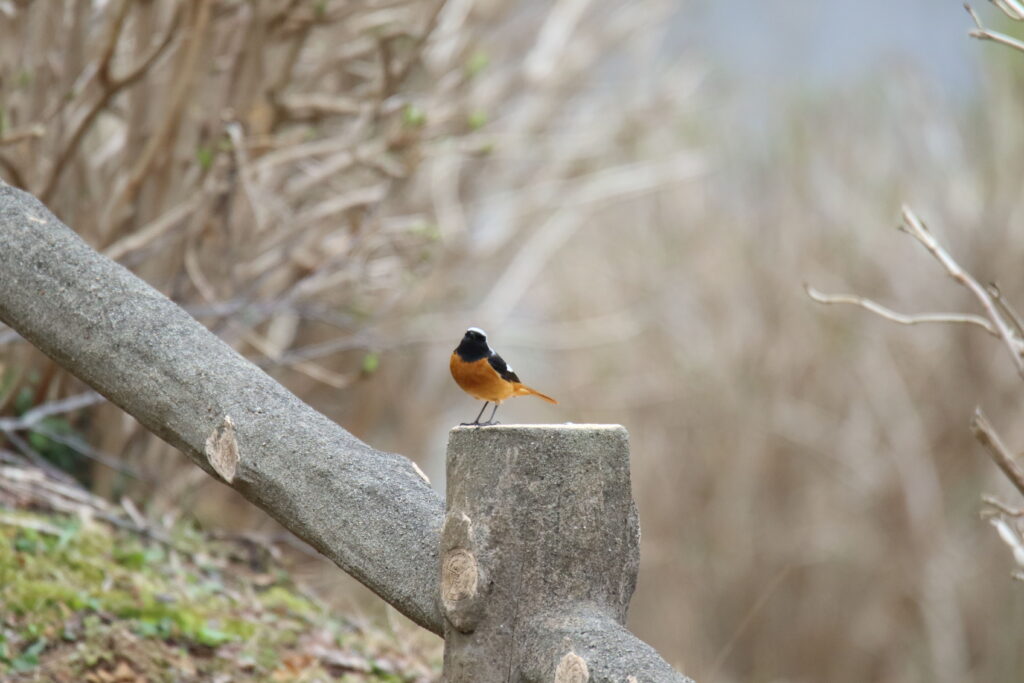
<point x="786" y="44"/>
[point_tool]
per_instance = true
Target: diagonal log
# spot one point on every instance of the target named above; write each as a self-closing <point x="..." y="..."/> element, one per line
<point x="368" y="511"/>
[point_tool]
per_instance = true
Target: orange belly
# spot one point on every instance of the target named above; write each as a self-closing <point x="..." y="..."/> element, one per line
<point x="480" y="380"/>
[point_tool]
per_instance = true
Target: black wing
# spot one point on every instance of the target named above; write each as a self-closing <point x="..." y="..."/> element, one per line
<point x="499" y="364"/>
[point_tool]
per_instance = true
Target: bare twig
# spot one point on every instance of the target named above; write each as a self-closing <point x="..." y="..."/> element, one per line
<point x="913" y="225"/>
<point x="113" y="37"/>
<point x="1000" y="454"/>
<point x="32" y="524"/>
<point x="361" y="341"/>
<point x="1006" y="308"/>
<point x="901" y="318"/>
<point x="76" y="444"/>
<point x="312" y="370"/>
<point x="999" y="507"/>
<point x="111" y="86"/>
<point x="31" y="420"/>
<point x="1011" y="537"/>
<point x="315" y="106"/>
<point x="36" y="481"/>
<point x="35" y="415"/>
<point x="237" y="135"/>
<point x="153" y="230"/>
<point x="1011" y="8"/>
<point x="34" y="131"/>
<point x="179" y="88"/>
<point x="401" y="73"/>
<point x="982" y="33"/>
<point x="36" y="459"/>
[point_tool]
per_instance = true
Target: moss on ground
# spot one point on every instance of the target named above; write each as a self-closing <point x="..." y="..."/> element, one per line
<point x="83" y="601"/>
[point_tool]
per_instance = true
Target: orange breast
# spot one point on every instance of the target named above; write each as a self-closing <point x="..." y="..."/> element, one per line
<point x="480" y="380"/>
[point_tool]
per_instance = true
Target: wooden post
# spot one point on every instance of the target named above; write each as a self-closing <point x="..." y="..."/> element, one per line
<point x="540" y="548"/>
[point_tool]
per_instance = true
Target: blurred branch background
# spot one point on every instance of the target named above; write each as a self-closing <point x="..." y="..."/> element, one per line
<point x="627" y="196"/>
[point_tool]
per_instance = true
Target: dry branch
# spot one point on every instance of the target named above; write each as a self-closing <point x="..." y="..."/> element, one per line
<point x="901" y="318"/>
<point x="31" y="417"/>
<point x="168" y="126"/>
<point x="987" y="436"/>
<point x="1012" y="9"/>
<point x="36" y="130"/>
<point x="989" y="298"/>
<point x="111" y="86"/>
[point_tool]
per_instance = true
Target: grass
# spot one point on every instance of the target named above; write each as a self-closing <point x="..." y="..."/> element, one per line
<point x="80" y="600"/>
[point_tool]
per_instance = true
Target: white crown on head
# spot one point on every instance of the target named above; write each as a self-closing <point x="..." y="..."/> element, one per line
<point x="477" y="330"/>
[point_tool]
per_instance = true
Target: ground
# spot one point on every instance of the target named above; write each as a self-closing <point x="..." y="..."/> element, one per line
<point x="89" y="593"/>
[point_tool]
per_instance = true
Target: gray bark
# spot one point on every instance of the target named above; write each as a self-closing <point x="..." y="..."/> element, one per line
<point x="540" y="549"/>
<point x="368" y="511"/>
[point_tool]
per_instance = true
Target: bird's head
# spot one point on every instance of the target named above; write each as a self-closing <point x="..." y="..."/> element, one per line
<point x="475" y="334"/>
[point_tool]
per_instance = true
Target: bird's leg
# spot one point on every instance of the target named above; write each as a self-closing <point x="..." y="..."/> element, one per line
<point x="477" y="420"/>
<point x="491" y="420"/>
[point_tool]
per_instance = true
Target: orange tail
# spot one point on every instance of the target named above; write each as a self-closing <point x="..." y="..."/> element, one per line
<point x="523" y="390"/>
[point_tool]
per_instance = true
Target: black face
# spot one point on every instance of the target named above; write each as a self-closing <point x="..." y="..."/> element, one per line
<point x="473" y="346"/>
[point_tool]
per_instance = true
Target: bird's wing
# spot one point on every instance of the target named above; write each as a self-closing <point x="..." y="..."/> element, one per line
<point x="499" y="364"/>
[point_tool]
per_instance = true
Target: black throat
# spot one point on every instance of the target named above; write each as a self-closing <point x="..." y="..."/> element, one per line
<point x="470" y="350"/>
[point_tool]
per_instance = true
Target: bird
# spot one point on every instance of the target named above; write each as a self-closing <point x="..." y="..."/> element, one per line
<point x="485" y="375"/>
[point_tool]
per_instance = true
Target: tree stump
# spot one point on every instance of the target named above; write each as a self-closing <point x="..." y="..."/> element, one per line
<point x="540" y="549"/>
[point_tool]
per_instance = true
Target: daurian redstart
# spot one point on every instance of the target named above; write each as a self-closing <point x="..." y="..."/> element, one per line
<point x="484" y="375"/>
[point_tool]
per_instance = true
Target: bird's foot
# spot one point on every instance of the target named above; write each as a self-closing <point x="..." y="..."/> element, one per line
<point x="479" y="424"/>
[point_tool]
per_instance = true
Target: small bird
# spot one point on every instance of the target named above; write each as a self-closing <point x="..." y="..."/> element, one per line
<point x="484" y="375"/>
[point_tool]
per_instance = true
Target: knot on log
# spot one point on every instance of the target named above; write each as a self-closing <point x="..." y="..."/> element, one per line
<point x="222" y="449"/>
<point x="458" y="576"/>
<point x="460" y="573"/>
<point x="572" y="669"/>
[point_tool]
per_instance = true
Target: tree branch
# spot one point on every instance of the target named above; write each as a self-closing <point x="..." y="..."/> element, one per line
<point x="111" y="85"/>
<point x="1011" y="8"/>
<point x="982" y="33"/>
<point x="990" y="299"/>
<point x="370" y="512"/>
<point x="1000" y="454"/>
<point x="913" y="225"/>
<point x="901" y="318"/>
<point x="32" y="417"/>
